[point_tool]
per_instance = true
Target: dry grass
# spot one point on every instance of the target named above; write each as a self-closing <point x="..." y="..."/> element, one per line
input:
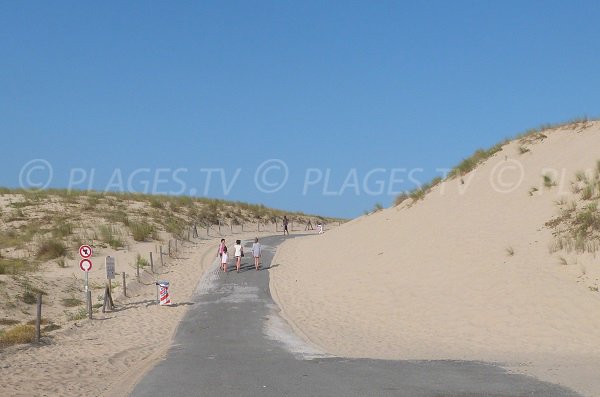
<point x="17" y="335"/>
<point x="51" y="249"/>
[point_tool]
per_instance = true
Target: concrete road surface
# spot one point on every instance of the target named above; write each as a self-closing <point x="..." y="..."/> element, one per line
<point x="232" y="342"/>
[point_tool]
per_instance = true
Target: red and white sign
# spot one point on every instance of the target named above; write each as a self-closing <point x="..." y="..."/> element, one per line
<point x="85" y="265"/>
<point x="85" y="251"/>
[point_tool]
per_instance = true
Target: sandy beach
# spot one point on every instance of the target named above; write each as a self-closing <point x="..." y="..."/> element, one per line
<point x="467" y="273"/>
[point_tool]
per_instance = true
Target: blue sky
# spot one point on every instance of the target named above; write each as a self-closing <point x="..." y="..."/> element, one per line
<point x="179" y="97"/>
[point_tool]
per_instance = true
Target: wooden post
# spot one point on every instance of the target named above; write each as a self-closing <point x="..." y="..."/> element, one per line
<point x="137" y="270"/>
<point x="161" y="257"/>
<point x="175" y="245"/>
<point x="257" y="226"/>
<point x="89" y="303"/>
<point x="219" y="226"/>
<point x="231" y="226"/>
<point x="207" y="230"/>
<point x="276" y="226"/>
<point x="151" y="262"/>
<point x="169" y="247"/>
<point x="188" y="239"/>
<point x="38" y="318"/>
<point x="125" y="285"/>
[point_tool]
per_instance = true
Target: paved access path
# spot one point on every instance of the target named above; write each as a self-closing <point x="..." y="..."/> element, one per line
<point x="232" y="342"/>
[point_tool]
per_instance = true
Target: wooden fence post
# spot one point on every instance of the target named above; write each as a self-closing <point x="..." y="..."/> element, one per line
<point x="38" y="318"/>
<point x="125" y="285"/>
<point x="151" y="262"/>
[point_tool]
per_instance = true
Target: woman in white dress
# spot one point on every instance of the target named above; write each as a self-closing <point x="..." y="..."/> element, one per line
<point x="239" y="252"/>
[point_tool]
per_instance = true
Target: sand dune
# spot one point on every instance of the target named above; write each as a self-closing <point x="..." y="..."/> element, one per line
<point x="466" y="273"/>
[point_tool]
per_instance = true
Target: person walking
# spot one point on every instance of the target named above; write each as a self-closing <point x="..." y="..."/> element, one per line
<point x="309" y="225"/>
<point x="285" y="225"/>
<point x="224" y="259"/>
<point x="256" y="253"/>
<point x="239" y="252"/>
<point x="222" y="247"/>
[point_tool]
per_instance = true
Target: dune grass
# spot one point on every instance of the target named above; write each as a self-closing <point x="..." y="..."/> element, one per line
<point x="19" y="334"/>
<point x="111" y="236"/>
<point x="141" y="231"/>
<point x="468" y="164"/>
<point x="51" y="249"/>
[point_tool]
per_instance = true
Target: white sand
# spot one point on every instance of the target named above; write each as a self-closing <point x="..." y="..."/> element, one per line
<point x="435" y="280"/>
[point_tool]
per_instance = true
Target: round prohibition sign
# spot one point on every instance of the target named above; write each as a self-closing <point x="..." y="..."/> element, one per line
<point x="85" y="251"/>
<point x="85" y="265"/>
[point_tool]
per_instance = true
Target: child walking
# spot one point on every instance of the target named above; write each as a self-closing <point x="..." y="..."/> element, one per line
<point x="224" y="259"/>
<point x="256" y="253"/>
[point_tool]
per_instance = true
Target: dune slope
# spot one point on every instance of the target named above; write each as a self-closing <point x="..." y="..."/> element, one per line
<point x="469" y="272"/>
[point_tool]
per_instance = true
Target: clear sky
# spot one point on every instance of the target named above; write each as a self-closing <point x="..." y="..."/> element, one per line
<point x="323" y="107"/>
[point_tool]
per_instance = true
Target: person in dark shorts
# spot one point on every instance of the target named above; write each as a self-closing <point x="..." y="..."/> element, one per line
<point x="285" y="225"/>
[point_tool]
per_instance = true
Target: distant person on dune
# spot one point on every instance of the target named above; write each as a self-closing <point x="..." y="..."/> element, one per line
<point x="256" y="253"/>
<point x="320" y="228"/>
<point x="285" y="225"/>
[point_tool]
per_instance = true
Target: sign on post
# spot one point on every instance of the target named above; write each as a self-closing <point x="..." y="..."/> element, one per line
<point x="85" y="251"/>
<point x="85" y="265"/>
<point x="110" y="268"/>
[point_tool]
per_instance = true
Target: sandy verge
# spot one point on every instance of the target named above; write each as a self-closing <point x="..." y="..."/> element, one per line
<point x="106" y="356"/>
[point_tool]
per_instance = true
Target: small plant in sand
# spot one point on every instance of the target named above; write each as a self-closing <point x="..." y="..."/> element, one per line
<point x="510" y="251"/>
<point x="532" y="191"/>
<point x="377" y="207"/>
<point x="71" y="302"/>
<point x="523" y="149"/>
<point x="562" y="261"/>
<point x="548" y="181"/>
<point x="19" y="334"/>
<point x="141" y="231"/>
<point x="141" y="262"/>
<point x="110" y="235"/>
<point x="51" y="249"/>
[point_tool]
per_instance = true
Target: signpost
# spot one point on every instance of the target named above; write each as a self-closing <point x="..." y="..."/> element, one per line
<point x="110" y="275"/>
<point x="85" y="251"/>
<point x="85" y="264"/>
<point x="110" y="267"/>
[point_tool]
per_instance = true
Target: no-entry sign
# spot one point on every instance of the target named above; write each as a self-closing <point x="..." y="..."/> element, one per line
<point x="85" y="265"/>
<point x="85" y="251"/>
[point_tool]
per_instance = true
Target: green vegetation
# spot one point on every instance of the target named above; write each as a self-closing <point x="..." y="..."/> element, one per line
<point x="15" y="266"/>
<point x="523" y="149"/>
<point x="141" y="231"/>
<point x="529" y="137"/>
<point x="141" y="262"/>
<point x="110" y="235"/>
<point x="548" y="181"/>
<point x="470" y="163"/>
<point x="71" y="302"/>
<point x="51" y="249"/>
<point x="19" y="334"/>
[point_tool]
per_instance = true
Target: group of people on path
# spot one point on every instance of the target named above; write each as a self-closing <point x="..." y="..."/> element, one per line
<point x="238" y="254"/>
